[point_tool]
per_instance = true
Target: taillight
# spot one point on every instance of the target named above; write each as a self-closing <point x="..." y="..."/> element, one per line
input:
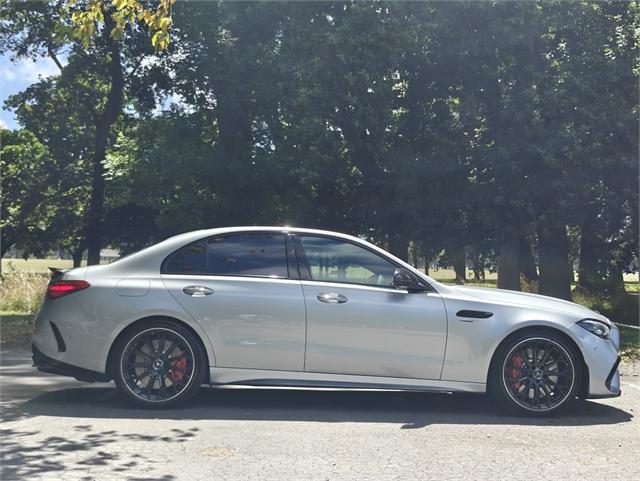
<point x="62" y="288"/>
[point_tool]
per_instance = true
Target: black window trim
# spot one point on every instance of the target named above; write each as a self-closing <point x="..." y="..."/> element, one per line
<point x="305" y="270"/>
<point x="292" y="274"/>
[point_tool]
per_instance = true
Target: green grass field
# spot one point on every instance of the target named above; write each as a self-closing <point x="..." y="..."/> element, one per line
<point x="15" y="330"/>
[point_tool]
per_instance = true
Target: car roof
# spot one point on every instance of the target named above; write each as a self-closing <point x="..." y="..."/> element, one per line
<point x="150" y="257"/>
<point x="148" y="261"/>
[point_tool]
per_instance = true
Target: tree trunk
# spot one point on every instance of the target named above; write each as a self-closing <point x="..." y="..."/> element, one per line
<point x="460" y="265"/>
<point x="478" y="266"/>
<point x="399" y="246"/>
<point x="112" y="107"/>
<point x="527" y="261"/>
<point x="589" y="276"/>
<point x="553" y="251"/>
<point x="414" y="258"/>
<point x="5" y="243"/>
<point x="615" y="281"/>
<point x="77" y="256"/>
<point x="508" y="262"/>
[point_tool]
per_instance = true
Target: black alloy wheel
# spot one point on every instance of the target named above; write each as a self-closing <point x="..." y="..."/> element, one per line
<point x="538" y="374"/>
<point x="160" y="365"/>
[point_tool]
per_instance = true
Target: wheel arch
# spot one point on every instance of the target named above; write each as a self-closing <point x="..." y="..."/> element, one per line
<point x="584" y="386"/>
<point x="150" y="319"/>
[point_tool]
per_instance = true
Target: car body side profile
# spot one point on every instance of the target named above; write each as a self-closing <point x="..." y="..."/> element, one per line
<point x="301" y="307"/>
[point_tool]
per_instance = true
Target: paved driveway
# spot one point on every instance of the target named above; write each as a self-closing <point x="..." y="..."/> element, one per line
<point x="59" y="429"/>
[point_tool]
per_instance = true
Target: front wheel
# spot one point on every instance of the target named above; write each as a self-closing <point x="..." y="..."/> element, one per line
<point x="158" y="364"/>
<point x="536" y="374"/>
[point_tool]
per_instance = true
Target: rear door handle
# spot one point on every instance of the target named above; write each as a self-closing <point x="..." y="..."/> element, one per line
<point x="197" y="291"/>
<point x="332" y="298"/>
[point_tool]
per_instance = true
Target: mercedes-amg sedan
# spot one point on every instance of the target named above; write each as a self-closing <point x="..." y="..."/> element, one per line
<point x="299" y="307"/>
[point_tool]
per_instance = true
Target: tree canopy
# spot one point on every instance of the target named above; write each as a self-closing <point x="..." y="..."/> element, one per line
<point x="483" y="134"/>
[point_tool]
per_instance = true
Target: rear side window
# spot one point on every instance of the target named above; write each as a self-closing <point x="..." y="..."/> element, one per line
<point x="260" y="255"/>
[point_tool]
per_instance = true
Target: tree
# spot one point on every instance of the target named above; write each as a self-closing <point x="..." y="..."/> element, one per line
<point x="28" y="181"/>
<point x="113" y="62"/>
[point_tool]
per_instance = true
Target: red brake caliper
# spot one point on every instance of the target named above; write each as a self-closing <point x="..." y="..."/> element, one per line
<point x="516" y="373"/>
<point x="178" y="367"/>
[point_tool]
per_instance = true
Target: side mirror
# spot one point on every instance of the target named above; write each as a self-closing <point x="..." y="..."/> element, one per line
<point x="403" y="279"/>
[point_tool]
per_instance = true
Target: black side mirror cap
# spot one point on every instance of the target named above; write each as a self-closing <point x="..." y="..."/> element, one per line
<point x="403" y="279"/>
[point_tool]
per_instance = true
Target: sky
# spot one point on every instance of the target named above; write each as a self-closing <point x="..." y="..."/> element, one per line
<point x="15" y="77"/>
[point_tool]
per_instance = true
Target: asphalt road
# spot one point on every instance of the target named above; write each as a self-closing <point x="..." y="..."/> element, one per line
<point x="59" y="429"/>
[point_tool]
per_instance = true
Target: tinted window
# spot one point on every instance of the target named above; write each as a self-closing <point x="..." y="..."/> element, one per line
<point x="247" y="255"/>
<point x="188" y="260"/>
<point x="339" y="261"/>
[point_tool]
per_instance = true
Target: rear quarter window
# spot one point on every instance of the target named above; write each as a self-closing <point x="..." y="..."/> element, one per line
<point x="191" y="259"/>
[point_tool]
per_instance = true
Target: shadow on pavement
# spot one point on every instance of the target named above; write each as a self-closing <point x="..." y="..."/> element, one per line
<point x="62" y="455"/>
<point x="409" y="409"/>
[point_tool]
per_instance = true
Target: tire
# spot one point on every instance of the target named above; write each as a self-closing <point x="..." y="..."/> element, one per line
<point x="158" y="364"/>
<point x="536" y="373"/>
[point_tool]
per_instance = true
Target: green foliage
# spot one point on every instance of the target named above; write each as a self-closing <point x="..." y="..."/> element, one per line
<point x="443" y="125"/>
<point x="27" y="187"/>
<point x="89" y="14"/>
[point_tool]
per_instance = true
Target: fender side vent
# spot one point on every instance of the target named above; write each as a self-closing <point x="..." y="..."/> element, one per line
<point x="62" y="347"/>
<point x="474" y="314"/>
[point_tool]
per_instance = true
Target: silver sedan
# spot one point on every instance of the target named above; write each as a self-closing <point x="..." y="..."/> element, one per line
<point x="275" y="306"/>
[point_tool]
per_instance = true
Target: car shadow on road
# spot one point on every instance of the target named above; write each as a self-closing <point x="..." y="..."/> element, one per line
<point x="410" y="410"/>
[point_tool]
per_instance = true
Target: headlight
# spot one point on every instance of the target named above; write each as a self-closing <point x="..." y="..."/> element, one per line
<point x="598" y="328"/>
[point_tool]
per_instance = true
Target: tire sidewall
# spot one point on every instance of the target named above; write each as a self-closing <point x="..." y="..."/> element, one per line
<point x="198" y="360"/>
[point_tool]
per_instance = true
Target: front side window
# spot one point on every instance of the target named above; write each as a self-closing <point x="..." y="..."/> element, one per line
<point x="260" y="255"/>
<point x="334" y="260"/>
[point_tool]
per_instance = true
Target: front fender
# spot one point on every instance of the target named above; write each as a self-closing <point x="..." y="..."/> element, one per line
<point x="471" y="342"/>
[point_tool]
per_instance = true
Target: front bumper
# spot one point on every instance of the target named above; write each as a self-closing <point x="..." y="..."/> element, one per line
<point x="612" y="383"/>
<point x="602" y="358"/>
<point x="49" y="365"/>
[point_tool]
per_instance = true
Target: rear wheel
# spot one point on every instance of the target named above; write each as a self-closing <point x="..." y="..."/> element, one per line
<point x="536" y="374"/>
<point x="159" y="364"/>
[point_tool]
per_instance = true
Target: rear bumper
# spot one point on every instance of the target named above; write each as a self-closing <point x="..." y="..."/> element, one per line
<point x="49" y="365"/>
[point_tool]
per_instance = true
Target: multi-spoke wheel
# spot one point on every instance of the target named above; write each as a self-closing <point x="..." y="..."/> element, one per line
<point x="159" y="364"/>
<point x="537" y="374"/>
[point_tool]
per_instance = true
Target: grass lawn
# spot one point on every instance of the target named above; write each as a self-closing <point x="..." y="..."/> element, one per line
<point x="15" y="331"/>
<point x="629" y="342"/>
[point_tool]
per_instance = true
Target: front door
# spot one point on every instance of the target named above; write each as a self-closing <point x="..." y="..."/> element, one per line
<point x="239" y="287"/>
<point x="357" y="323"/>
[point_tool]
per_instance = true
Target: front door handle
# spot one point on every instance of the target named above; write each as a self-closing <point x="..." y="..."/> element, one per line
<point x="197" y="291"/>
<point x="332" y="298"/>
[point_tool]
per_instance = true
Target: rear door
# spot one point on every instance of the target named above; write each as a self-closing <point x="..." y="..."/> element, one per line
<point x="357" y="323"/>
<point x="243" y="289"/>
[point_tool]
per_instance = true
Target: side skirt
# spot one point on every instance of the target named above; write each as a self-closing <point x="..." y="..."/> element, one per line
<point x="261" y="377"/>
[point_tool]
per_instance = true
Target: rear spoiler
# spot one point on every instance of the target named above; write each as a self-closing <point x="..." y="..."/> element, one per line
<point x="55" y="272"/>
